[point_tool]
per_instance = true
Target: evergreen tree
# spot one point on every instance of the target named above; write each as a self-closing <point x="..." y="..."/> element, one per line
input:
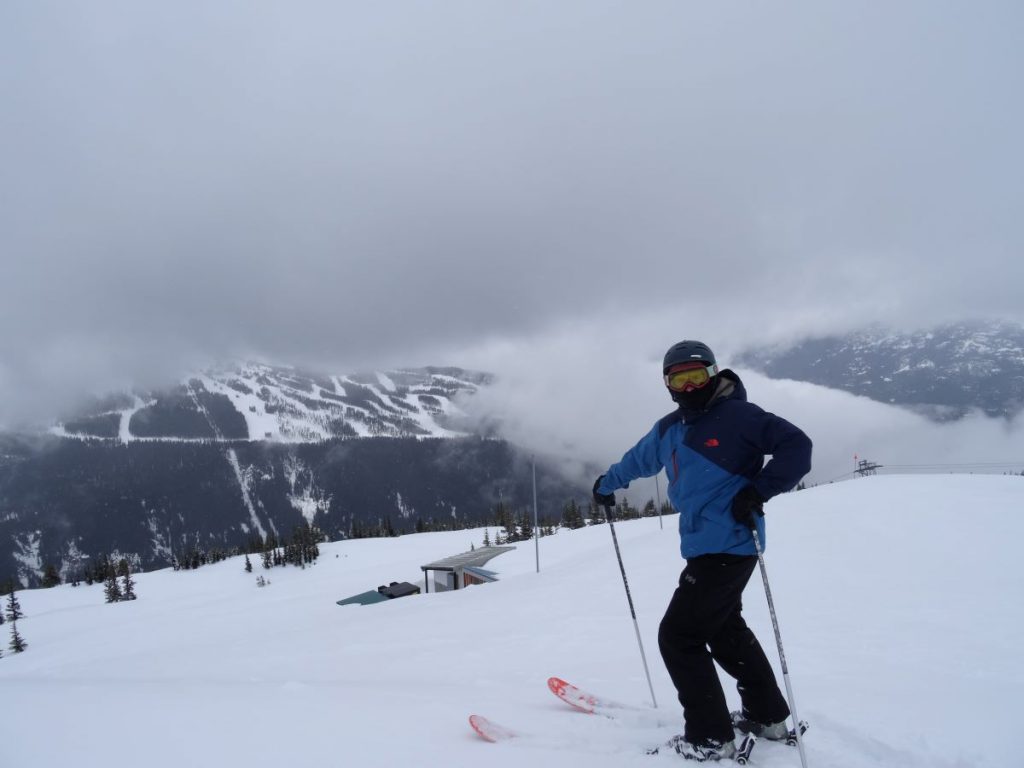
<point x="507" y="522"/>
<point x="105" y="568"/>
<point x="487" y="537"/>
<point x="626" y="512"/>
<point x="51" y="578"/>
<point x="111" y="590"/>
<point x="13" y="607"/>
<point x="304" y="547"/>
<point x="525" y="526"/>
<point x="572" y="518"/>
<point x="17" y="643"/>
<point x="248" y="565"/>
<point x="127" y="583"/>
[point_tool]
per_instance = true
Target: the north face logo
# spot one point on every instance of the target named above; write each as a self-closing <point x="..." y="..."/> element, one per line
<point x="712" y="443"/>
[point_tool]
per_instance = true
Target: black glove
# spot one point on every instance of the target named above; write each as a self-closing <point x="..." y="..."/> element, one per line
<point x="603" y="499"/>
<point x="745" y="504"/>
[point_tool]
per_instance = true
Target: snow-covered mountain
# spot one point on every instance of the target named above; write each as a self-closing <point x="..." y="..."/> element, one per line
<point x="254" y="451"/>
<point x="944" y="371"/>
<point x="902" y="643"/>
<point x="65" y="502"/>
<point x="254" y="401"/>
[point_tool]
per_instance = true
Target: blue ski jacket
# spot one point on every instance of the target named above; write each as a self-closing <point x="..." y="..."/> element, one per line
<point x="709" y="456"/>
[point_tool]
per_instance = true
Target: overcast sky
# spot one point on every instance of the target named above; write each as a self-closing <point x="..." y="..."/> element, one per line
<point x="346" y="185"/>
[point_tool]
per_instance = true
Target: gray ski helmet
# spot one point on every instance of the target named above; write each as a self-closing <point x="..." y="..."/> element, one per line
<point x="688" y="352"/>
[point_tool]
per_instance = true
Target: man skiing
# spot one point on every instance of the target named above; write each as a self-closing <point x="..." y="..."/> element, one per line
<point x="713" y="448"/>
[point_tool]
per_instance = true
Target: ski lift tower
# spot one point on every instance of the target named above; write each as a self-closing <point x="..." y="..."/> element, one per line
<point x="865" y="468"/>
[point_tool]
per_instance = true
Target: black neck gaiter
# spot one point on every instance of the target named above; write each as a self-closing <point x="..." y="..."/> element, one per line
<point x="697" y="399"/>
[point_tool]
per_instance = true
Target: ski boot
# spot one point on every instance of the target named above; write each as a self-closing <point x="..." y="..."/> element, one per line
<point x="779" y="731"/>
<point x="711" y="752"/>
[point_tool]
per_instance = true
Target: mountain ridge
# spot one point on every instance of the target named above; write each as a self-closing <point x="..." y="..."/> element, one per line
<point x="258" y="401"/>
<point x="944" y="372"/>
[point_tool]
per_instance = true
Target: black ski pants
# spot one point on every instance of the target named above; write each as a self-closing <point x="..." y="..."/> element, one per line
<point x="702" y="626"/>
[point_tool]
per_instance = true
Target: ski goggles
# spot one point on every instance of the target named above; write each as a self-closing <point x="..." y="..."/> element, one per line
<point x="681" y="378"/>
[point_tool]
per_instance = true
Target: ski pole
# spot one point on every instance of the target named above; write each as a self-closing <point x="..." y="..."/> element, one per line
<point x="629" y="598"/>
<point x="778" y="641"/>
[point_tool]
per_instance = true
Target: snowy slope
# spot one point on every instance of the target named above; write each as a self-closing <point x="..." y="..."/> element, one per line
<point x="899" y="600"/>
<point x="255" y="401"/>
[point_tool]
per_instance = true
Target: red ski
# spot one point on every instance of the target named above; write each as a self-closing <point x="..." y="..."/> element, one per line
<point x="489" y="730"/>
<point x="592" y="704"/>
<point x="582" y="700"/>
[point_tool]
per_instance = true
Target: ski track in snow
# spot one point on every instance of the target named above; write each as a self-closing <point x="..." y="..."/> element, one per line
<point x="901" y="636"/>
<point x="124" y="428"/>
<point x="243" y="486"/>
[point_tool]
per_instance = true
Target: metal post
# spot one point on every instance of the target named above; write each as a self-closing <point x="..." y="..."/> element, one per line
<point x="657" y="492"/>
<point x="629" y="598"/>
<point x="778" y="641"/>
<point x="536" y="527"/>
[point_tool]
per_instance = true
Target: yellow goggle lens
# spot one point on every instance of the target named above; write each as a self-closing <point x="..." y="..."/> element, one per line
<point x="691" y="377"/>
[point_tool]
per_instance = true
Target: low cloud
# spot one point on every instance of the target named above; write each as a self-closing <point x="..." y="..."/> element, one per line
<point x="585" y="397"/>
<point x="344" y="185"/>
